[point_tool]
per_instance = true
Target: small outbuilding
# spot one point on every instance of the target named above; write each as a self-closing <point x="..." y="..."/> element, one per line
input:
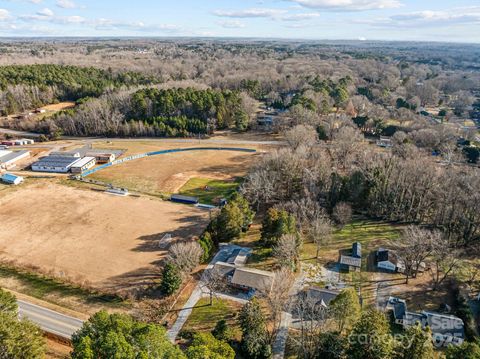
<point x="178" y="198"/>
<point x="102" y="157"/>
<point x="83" y="165"/>
<point x="352" y="262"/>
<point x="10" y="178"/>
<point x="66" y="154"/>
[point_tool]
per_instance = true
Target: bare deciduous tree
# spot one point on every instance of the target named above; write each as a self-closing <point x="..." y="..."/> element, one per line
<point x="414" y="247"/>
<point x="185" y="255"/>
<point x="278" y="299"/>
<point x="301" y="135"/>
<point x="445" y="260"/>
<point x="320" y="232"/>
<point x="214" y="281"/>
<point x="342" y="214"/>
<point x="287" y="251"/>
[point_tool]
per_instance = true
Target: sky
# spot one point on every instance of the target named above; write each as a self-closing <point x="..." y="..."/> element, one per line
<point x="410" y="20"/>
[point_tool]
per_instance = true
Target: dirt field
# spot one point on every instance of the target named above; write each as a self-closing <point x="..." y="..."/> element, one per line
<point x="92" y="238"/>
<point x="168" y="173"/>
<point x="59" y="106"/>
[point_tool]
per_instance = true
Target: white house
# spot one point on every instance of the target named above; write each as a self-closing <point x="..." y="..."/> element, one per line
<point x="387" y="260"/>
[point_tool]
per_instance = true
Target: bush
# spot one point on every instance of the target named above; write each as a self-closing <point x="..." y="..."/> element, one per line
<point x="277" y="223"/>
<point x="222" y="331"/>
<point x="207" y="245"/>
<point x="205" y="346"/>
<point x="171" y="279"/>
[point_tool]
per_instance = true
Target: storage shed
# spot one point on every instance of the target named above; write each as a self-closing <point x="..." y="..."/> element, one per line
<point x="102" y="157"/>
<point x="184" y="199"/>
<point x="66" y="154"/>
<point x="83" y="165"/>
<point x="12" y="179"/>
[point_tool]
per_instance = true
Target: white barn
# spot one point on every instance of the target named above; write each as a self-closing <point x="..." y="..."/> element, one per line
<point x="56" y="164"/>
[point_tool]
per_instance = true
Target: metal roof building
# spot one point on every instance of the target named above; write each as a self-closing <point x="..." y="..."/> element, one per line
<point x="82" y="165"/>
<point x="9" y="160"/>
<point x="57" y="164"/>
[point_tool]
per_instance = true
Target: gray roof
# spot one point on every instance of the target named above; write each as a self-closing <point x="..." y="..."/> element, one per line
<point x="442" y="324"/>
<point x="357" y="250"/>
<point x="448" y="325"/>
<point x="12" y="156"/>
<point x="55" y="161"/>
<point x="253" y="278"/>
<point x="238" y="257"/>
<point x="351" y="261"/>
<point x="399" y="307"/>
<point x="322" y="295"/>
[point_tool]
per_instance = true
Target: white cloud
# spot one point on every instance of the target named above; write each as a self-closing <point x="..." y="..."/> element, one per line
<point x="4" y="15"/>
<point x="301" y="17"/>
<point x="250" y="13"/>
<point x="66" y="4"/>
<point x="107" y="24"/>
<point x="232" y="24"/>
<point x="45" y="12"/>
<point x="429" y="18"/>
<point x="349" y="5"/>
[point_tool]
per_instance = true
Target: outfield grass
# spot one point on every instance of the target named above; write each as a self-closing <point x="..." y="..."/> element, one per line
<point x="204" y="316"/>
<point x="217" y="189"/>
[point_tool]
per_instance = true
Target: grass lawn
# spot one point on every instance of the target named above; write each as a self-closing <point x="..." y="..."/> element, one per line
<point x="217" y="189"/>
<point x="204" y="316"/>
<point x="371" y="234"/>
<point x="47" y="289"/>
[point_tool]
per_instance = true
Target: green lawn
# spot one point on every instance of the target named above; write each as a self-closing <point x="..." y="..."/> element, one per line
<point x="217" y="189"/>
<point x="204" y="316"/>
<point x="371" y="234"/>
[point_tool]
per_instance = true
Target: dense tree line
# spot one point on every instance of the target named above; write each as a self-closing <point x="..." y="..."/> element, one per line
<point x="148" y="112"/>
<point x="26" y="87"/>
<point x="403" y="185"/>
<point x="225" y="107"/>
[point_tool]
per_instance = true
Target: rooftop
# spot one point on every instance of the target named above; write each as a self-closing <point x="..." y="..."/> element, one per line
<point x="357" y="250"/>
<point x="56" y="161"/>
<point x="351" y="261"/>
<point x="83" y="161"/>
<point x="12" y="156"/>
<point x="253" y="278"/>
<point x="322" y="295"/>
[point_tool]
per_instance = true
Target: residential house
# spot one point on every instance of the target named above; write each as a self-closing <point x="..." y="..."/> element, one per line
<point x="446" y="329"/>
<point x="321" y="296"/>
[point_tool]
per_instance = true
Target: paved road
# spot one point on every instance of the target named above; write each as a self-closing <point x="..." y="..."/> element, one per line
<point x="19" y="133"/>
<point x="48" y="320"/>
<point x="88" y="140"/>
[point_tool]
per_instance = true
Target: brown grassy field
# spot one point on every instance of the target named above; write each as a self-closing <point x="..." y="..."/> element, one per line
<point x="168" y="173"/>
<point x="90" y="238"/>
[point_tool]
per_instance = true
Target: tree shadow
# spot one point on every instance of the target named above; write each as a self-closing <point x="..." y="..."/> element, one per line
<point x="189" y="227"/>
